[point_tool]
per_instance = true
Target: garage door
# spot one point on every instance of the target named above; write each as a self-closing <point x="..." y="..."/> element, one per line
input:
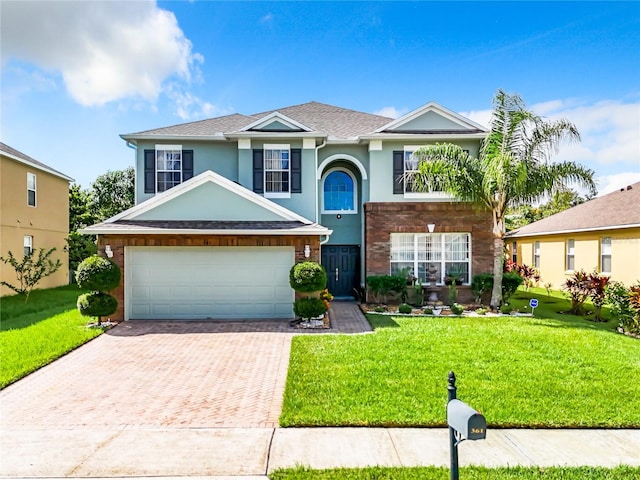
<point x="208" y="282"/>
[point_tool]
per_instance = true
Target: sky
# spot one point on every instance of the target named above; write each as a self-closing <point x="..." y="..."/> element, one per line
<point x="77" y="74"/>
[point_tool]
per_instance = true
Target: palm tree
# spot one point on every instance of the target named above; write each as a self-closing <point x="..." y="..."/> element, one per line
<point x="512" y="168"/>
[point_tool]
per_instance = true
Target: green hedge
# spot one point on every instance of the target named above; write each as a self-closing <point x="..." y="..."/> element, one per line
<point x="308" y="277"/>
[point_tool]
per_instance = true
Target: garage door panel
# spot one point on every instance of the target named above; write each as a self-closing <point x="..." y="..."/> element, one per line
<point x="209" y="282"/>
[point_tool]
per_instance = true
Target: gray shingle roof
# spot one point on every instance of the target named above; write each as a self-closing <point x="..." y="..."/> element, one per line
<point x="336" y="122"/>
<point x="617" y="209"/>
<point x="7" y="150"/>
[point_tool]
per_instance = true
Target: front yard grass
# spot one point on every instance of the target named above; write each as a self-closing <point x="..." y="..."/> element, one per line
<point x="519" y="371"/>
<point x="468" y="473"/>
<point x="35" y="333"/>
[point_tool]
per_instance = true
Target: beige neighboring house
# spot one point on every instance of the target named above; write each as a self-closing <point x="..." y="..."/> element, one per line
<point x="602" y="234"/>
<point x="34" y="213"/>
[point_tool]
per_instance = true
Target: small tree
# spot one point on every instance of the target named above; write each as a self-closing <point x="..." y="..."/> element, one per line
<point x="100" y="275"/>
<point x="30" y="270"/>
<point x="577" y="289"/>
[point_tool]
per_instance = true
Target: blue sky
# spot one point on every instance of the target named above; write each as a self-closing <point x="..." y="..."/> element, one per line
<point x="75" y="75"/>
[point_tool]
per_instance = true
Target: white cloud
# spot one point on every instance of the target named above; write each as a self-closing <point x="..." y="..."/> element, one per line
<point x="189" y="106"/>
<point x="611" y="183"/>
<point x="483" y="117"/>
<point x="104" y="50"/>
<point x="391" y="112"/>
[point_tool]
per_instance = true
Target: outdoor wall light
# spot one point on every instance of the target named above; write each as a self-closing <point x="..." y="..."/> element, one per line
<point x="108" y="251"/>
<point x="307" y="251"/>
<point x="431" y="227"/>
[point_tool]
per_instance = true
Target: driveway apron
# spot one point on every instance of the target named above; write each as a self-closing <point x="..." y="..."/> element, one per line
<point x="159" y="374"/>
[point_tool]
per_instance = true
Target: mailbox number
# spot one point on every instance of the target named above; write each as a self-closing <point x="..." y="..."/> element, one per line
<point x="477" y="430"/>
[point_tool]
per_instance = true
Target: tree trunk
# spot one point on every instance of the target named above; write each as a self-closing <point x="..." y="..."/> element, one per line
<point x="496" y="293"/>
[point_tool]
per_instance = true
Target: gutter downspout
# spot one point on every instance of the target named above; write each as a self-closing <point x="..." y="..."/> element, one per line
<point x="322" y="145"/>
<point x="135" y="179"/>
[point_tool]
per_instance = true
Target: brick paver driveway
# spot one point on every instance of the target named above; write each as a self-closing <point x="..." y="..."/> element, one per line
<point x="159" y="374"/>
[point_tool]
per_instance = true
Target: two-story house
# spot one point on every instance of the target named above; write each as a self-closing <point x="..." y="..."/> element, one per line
<point x="34" y="206"/>
<point x="225" y="206"/>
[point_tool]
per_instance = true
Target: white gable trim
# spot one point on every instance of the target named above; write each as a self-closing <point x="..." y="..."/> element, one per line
<point x="41" y="167"/>
<point x="201" y="179"/>
<point x="341" y="156"/>
<point x="264" y="121"/>
<point x="436" y="108"/>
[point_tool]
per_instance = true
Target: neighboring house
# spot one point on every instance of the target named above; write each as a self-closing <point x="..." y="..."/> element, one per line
<point x="225" y="206"/>
<point x="34" y="207"/>
<point x="602" y="234"/>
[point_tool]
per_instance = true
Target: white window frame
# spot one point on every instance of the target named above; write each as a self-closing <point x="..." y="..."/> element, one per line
<point x="605" y="251"/>
<point x="32" y="188"/>
<point x="536" y="254"/>
<point x="570" y="258"/>
<point x="354" y="210"/>
<point x="165" y="153"/>
<point x="282" y="148"/>
<point x="415" y="248"/>
<point x="27" y="242"/>
<point x="407" y="160"/>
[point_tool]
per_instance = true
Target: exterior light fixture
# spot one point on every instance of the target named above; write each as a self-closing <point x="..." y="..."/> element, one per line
<point x="108" y="251"/>
<point x="307" y="251"/>
<point x="431" y="227"/>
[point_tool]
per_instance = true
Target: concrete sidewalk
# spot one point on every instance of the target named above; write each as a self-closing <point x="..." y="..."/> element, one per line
<point x="254" y="452"/>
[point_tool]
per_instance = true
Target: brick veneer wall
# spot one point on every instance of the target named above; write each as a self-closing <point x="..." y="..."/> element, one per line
<point x="119" y="242"/>
<point x="382" y="219"/>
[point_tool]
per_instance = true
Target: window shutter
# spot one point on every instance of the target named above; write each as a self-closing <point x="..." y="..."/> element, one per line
<point x="398" y="171"/>
<point x="296" y="170"/>
<point x="187" y="165"/>
<point x="149" y="171"/>
<point x="258" y="171"/>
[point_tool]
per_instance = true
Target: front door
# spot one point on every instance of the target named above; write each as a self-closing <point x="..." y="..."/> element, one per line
<point x="342" y="263"/>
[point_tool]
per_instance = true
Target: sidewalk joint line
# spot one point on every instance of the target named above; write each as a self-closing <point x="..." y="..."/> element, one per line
<point x="273" y="434"/>
<point x="395" y="448"/>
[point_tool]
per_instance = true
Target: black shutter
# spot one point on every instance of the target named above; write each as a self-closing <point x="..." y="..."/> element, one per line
<point x="187" y="165"/>
<point x="398" y="171"/>
<point x="258" y="171"/>
<point x="296" y="170"/>
<point x="149" y="171"/>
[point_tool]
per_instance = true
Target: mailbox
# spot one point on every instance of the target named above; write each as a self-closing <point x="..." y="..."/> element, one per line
<point x="469" y="423"/>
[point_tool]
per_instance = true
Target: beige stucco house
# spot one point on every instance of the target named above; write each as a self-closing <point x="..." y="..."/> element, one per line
<point x="602" y="234"/>
<point x="34" y="213"/>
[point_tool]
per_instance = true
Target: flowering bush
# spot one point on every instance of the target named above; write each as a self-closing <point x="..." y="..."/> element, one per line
<point x="530" y="275"/>
<point x="582" y="286"/>
<point x="625" y="305"/>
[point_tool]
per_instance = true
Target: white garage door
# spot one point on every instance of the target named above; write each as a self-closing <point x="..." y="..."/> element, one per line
<point x="208" y="282"/>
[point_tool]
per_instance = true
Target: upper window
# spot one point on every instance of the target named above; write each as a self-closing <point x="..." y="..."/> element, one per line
<point x="339" y="192"/>
<point x="277" y="170"/>
<point x="28" y="245"/>
<point x="440" y="254"/>
<point x="605" y="255"/>
<point x="514" y="252"/>
<point x="405" y="163"/>
<point x="31" y="189"/>
<point x="570" y="263"/>
<point x="536" y="254"/>
<point x="168" y="166"/>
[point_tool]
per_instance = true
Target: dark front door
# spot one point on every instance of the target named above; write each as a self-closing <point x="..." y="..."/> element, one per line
<point x="342" y="263"/>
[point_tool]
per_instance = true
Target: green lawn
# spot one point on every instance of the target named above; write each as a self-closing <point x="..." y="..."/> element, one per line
<point x="33" y="334"/>
<point x="519" y="371"/>
<point x="467" y="473"/>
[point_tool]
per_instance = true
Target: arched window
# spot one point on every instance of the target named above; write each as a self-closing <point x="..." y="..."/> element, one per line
<point x="339" y="192"/>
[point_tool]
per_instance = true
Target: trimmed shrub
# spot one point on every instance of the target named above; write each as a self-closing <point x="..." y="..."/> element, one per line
<point x="307" y="277"/>
<point x="510" y="283"/>
<point x="309" y="307"/>
<point x="404" y="308"/>
<point x="481" y="283"/>
<point x="384" y="285"/>
<point x="625" y="305"/>
<point x="97" y="304"/>
<point x="98" y="273"/>
<point x="457" y="309"/>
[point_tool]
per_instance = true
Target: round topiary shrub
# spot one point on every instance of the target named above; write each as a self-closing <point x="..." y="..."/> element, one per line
<point x="404" y="308"/>
<point x="98" y="273"/>
<point x="308" y="277"/>
<point x="97" y="304"/>
<point x="309" y="307"/>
